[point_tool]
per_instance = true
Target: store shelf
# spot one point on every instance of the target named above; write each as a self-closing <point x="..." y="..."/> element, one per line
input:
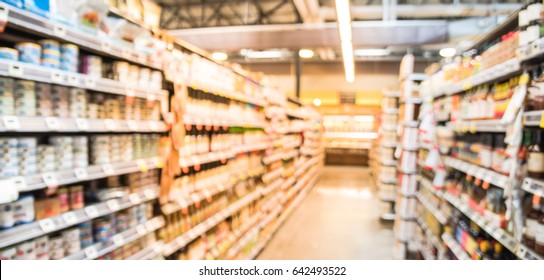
<point x="211" y="88"/>
<point x="390" y="111"/>
<point x="388" y="162"/>
<point x="491" y="228"/>
<point x="287" y="183"/>
<point x="43" y="74"/>
<point x="425" y="252"/>
<point x="272" y="158"/>
<point x="205" y="158"/>
<point x="96" y="43"/>
<point x="531" y="51"/>
<point x="388" y="217"/>
<point x="533" y="186"/>
<point x="429" y="186"/>
<point x="495" y="73"/>
<point x="457" y="250"/>
<point x="70" y="176"/>
<point x="435" y="240"/>
<point x="387" y="180"/>
<point x="484" y="174"/>
<point x="53" y="124"/>
<point x="414" y="77"/>
<point x="477" y="126"/>
<point x="246" y="148"/>
<point x="294" y="114"/>
<point x="212" y="121"/>
<point x="389" y="127"/>
<point x="268" y="177"/>
<point x="387" y="198"/>
<point x="351" y="135"/>
<point x="151" y="252"/>
<point x="117" y="241"/>
<point x="440" y="217"/>
<point x="290" y="155"/>
<point x="389" y="144"/>
<point x="412" y="124"/>
<point x="39" y="228"/>
<point x="272" y="186"/>
<point x="198" y="230"/>
<point x="534" y="118"/>
<point x="525" y="253"/>
<point x="411" y="100"/>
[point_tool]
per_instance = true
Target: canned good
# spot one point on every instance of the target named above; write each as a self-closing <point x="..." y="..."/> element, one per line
<point x="9" y="54"/>
<point x="29" y="52"/>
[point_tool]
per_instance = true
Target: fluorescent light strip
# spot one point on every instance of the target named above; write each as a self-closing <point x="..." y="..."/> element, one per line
<point x="344" y="26"/>
<point x="265" y="54"/>
<point x="371" y="52"/>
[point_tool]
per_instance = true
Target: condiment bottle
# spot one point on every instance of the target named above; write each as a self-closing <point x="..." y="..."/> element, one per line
<point x="535" y="161"/>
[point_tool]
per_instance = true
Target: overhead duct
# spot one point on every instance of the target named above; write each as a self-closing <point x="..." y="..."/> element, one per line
<point x="315" y="35"/>
<point x="376" y="12"/>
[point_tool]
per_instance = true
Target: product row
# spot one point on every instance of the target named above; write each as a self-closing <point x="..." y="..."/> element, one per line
<point x="32" y="99"/>
<point x="32" y="155"/>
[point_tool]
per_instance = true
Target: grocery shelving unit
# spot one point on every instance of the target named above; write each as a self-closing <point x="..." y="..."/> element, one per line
<point x="275" y="157"/>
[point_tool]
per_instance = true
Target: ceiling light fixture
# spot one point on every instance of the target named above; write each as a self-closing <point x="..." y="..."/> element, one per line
<point x="265" y="54"/>
<point x="306" y="53"/>
<point x="220" y="56"/>
<point x="371" y="52"/>
<point x="317" y="102"/>
<point x="344" y="26"/>
<point x="447" y="52"/>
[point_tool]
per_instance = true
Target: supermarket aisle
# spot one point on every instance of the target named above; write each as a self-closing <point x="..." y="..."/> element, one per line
<point x="338" y="220"/>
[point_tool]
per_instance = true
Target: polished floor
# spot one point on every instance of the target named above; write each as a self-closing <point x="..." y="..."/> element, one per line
<point x="338" y="220"/>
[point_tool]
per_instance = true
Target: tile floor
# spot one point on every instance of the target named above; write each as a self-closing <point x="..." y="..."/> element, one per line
<point x="338" y="220"/>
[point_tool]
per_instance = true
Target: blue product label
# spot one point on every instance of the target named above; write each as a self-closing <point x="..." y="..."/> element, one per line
<point x="16" y="3"/>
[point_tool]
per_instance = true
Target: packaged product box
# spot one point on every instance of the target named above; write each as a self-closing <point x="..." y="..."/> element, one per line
<point x="39" y="7"/>
<point x="46" y="208"/>
<point x="15" y="3"/>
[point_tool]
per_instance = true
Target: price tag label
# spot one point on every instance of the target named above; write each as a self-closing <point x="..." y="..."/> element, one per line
<point x="118" y="240"/>
<point x="142" y="165"/>
<point x="52" y="123"/>
<point x="149" y="226"/>
<point x="113" y="205"/>
<point x="149" y="194"/>
<point x="110" y="124"/>
<point x="47" y="225"/>
<point x="153" y="125"/>
<point x="73" y="80"/>
<point x="16" y="70"/>
<point x="19" y="182"/>
<point x="90" y="82"/>
<point x="91" y="211"/>
<point x="82" y="124"/>
<point x="59" y="31"/>
<point x="81" y="174"/>
<point x="57" y="77"/>
<point x="141" y="230"/>
<point x="50" y="180"/>
<point x="132" y="125"/>
<point x="126" y="53"/>
<point x="91" y="253"/>
<point x="134" y="198"/>
<point x="542" y="121"/>
<point x="70" y="218"/>
<point x="108" y="169"/>
<point x="11" y="123"/>
<point x="105" y="46"/>
<point x="130" y="92"/>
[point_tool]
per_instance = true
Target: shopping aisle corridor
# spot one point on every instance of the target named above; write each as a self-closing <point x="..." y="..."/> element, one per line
<point x="339" y="219"/>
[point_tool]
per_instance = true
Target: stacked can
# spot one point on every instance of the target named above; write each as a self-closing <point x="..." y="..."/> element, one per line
<point x="139" y="105"/>
<point x="56" y="248"/>
<point x="46" y="158"/>
<point x="64" y="151"/>
<point x="100" y="149"/>
<point x="121" y="71"/>
<point x="81" y="151"/>
<point x="127" y="149"/>
<point x="29" y="52"/>
<point x="25" y="98"/>
<point x="129" y="110"/>
<point x="9" y="54"/>
<point x="91" y="65"/>
<point x="122" y="221"/>
<point x="7" y="100"/>
<point x="137" y="146"/>
<point x="133" y="75"/>
<point x="78" y="103"/>
<point x="116" y="148"/>
<point x="156" y="80"/>
<point x="44" y="99"/>
<point x="122" y="107"/>
<point x="50" y="53"/>
<point x="103" y="229"/>
<point x="72" y="242"/>
<point x="27" y="150"/>
<point x="61" y="103"/>
<point x="69" y="60"/>
<point x="9" y="161"/>
<point x="86" y="234"/>
<point x="144" y="77"/>
<point x="92" y="105"/>
<point x="113" y="108"/>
